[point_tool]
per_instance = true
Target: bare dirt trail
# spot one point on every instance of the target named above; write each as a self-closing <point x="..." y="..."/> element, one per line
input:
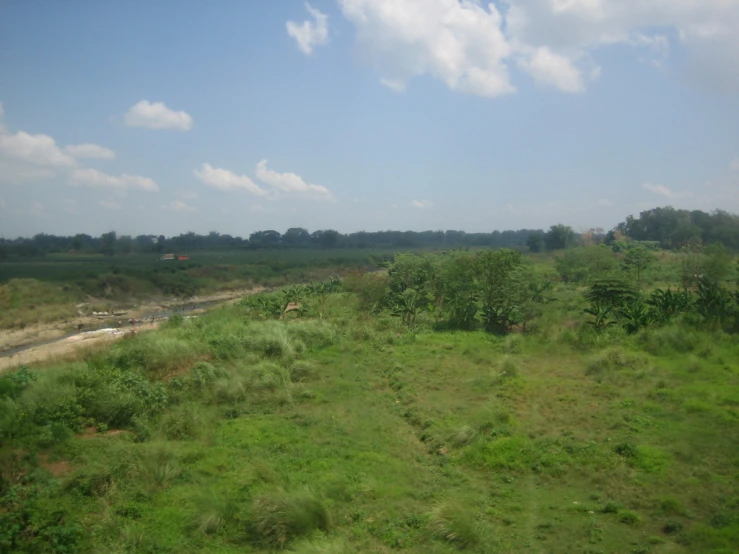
<point x="37" y="343"/>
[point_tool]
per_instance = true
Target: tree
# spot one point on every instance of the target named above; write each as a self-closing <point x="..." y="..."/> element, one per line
<point x="296" y="237"/>
<point x="717" y="265"/>
<point x="500" y="294"/>
<point x="535" y="242"/>
<point x="637" y="260"/>
<point x="265" y="239"/>
<point x="559" y="237"/>
<point x="107" y="243"/>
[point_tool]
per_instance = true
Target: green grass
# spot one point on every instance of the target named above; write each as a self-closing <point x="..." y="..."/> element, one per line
<point x="352" y="433"/>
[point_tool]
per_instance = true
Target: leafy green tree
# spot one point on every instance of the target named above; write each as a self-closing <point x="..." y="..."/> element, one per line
<point x="559" y="237"/>
<point x="535" y="242"/>
<point x="717" y="262"/>
<point x="637" y="260"/>
<point x="107" y="243"/>
<point x="499" y="292"/>
<point x="457" y="291"/>
<point x="296" y="237"/>
<point x="577" y="265"/>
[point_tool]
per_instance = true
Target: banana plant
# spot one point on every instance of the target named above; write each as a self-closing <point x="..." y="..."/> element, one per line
<point x="636" y="315"/>
<point x="408" y="304"/>
<point x="601" y="312"/>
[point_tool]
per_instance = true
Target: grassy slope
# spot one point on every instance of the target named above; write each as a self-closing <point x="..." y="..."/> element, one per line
<point x="423" y="442"/>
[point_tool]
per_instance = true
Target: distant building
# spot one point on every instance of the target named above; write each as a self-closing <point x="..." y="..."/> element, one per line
<point x="183" y="257"/>
<point x="167" y="257"/>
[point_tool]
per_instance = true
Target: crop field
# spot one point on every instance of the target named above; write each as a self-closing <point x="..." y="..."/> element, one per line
<point x="471" y="402"/>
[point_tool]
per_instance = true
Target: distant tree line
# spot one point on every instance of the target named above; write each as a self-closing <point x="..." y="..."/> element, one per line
<point x="666" y="227"/>
<point x="295" y="237"/>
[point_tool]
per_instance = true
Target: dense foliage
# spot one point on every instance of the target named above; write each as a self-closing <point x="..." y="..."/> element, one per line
<point x="678" y="228"/>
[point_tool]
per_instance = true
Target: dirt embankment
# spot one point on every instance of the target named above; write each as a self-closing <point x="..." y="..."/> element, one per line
<point x="53" y="340"/>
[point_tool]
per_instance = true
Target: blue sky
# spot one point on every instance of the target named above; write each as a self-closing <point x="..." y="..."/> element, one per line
<point x="166" y="117"/>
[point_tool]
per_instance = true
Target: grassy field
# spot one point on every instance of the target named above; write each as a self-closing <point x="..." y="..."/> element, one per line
<point x="338" y="428"/>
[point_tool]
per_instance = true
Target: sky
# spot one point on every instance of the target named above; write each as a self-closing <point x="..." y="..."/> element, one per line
<point x="231" y="116"/>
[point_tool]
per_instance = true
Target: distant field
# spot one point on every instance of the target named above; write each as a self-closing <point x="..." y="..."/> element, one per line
<point x="47" y="289"/>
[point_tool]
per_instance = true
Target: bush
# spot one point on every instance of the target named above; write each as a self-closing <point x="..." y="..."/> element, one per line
<point x="453" y="524"/>
<point x="628" y="517"/>
<point x="278" y="518"/>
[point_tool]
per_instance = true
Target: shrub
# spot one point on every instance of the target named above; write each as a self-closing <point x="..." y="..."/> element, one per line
<point x="628" y="517"/>
<point x="453" y="524"/>
<point x="278" y="518"/>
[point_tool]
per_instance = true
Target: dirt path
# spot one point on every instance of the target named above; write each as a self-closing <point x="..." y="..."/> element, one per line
<point x="49" y="341"/>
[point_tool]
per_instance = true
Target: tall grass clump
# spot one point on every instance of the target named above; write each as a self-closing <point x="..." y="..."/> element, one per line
<point x="185" y="422"/>
<point x="612" y="360"/>
<point x="509" y="368"/>
<point x="270" y="339"/>
<point x="670" y="339"/>
<point x="278" y="518"/>
<point x="462" y="436"/>
<point x="212" y="512"/>
<point x="313" y="334"/>
<point x="452" y="523"/>
<point x="159" y="354"/>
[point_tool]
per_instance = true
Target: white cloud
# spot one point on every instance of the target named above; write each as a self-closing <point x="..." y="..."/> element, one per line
<point x="604" y="202"/>
<point x="188" y="194"/>
<point x="155" y="115"/>
<point x="735" y="164"/>
<point x="665" y="191"/>
<point x="110" y="205"/>
<point x="89" y="151"/>
<point x="550" y="69"/>
<point x="289" y="183"/>
<point x="460" y="43"/>
<point x="37" y="208"/>
<point x="422" y="204"/>
<point x="2" y="113"/>
<point x="97" y="179"/>
<point x="37" y="150"/>
<point x="227" y="181"/>
<point x="469" y="44"/>
<point x="309" y="33"/>
<point x="575" y="28"/>
<point x="180" y="206"/>
<point x="258" y="208"/>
